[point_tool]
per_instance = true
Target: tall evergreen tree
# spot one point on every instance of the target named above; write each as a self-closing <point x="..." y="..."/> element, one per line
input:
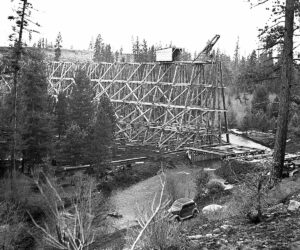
<point x="73" y="147"/>
<point x="36" y="131"/>
<point x="102" y="133"/>
<point x="260" y="99"/>
<point x="151" y="54"/>
<point x="236" y="55"/>
<point x="136" y="51"/>
<point x="22" y="20"/>
<point x="58" y="46"/>
<point x="91" y="44"/>
<point x="145" y="51"/>
<point x="81" y="101"/>
<point x="108" y="55"/>
<point x="61" y="114"/>
<point x="98" y="49"/>
<point x="285" y="94"/>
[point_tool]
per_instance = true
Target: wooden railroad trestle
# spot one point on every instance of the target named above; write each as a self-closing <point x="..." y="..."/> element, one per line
<point x="171" y="105"/>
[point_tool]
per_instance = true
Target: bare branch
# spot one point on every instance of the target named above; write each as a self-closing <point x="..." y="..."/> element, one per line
<point x="259" y="3"/>
<point x="153" y="209"/>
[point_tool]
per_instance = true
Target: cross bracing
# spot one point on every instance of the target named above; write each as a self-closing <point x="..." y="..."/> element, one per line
<point x="171" y="105"/>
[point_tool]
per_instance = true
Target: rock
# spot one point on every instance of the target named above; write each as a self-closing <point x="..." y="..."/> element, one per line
<point x="211" y="208"/>
<point x="254" y="216"/>
<point x="195" y="237"/>
<point x="115" y="215"/>
<point x="225" y="227"/>
<point x="293" y="205"/>
<point x="276" y="208"/>
<point x="4" y="228"/>
<point x="295" y="245"/>
<point x="217" y="230"/>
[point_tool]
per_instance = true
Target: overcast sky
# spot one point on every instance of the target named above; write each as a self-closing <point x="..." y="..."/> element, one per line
<point x="187" y="23"/>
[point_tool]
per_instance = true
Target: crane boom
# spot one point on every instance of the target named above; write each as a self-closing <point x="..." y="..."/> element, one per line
<point x="207" y="49"/>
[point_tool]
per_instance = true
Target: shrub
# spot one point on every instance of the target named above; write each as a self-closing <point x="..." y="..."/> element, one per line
<point x="161" y="234"/>
<point x="12" y="225"/>
<point x="71" y="228"/>
<point x="202" y="179"/>
<point x="250" y="198"/>
<point x="234" y="170"/>
<point x="214" y="187"/>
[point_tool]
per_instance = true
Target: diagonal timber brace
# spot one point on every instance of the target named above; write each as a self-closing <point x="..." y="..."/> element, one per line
<point x="171" y="105"/>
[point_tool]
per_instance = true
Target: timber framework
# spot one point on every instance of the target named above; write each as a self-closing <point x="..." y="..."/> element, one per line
<point x="171" y="105"/>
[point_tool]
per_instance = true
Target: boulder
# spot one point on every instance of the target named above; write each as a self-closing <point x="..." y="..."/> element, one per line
<point x="295" y="245"/>
<point x="211" y="208"/>
<point x="293" y="205"/>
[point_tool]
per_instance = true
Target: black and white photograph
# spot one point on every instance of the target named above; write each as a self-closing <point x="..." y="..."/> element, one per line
<point x="150" y="124"/>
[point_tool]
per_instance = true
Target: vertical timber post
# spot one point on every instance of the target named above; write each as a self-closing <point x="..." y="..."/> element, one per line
<point x="224" y="103"/>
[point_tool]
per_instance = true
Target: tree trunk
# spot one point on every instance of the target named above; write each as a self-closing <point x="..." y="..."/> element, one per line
<point x="285" y="96"/>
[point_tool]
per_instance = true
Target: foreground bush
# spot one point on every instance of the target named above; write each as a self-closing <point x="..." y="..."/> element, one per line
<point x="71" y="228"/>
<point x="235" y="171"/>
<point x="17" y="199"/>
<point x="202" y="179"/>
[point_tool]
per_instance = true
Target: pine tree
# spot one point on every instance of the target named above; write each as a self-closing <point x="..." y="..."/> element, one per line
<point x="236" y="55"/>
<point x="145" y="51"/>
<point x="106" y="105"/>
<point x="73" y="147"/>
<point x="6" y="131"/>
<point x="285" y="94"/>
<point x="81" y="101"/>
<point x="102" y="134"/>
<point x="136" y="51"/>
<point x="117" y="55"/>
<point x="58" y="46"/>
<point x="151" y="54"/>
<point x="252" y="61"/>
<point x="260" y="99"/>
<point x="61" y="114"/>
<point x="108" y="56"/>
<point x="91" y="45"/>
<point x="22" y="20"/>
<point x="36" y="131"/>
<point x="98" y="49"/>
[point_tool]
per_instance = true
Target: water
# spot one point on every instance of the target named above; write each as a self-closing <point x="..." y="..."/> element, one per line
<point x="126" y="202"/>
<point x="242" y="141"/>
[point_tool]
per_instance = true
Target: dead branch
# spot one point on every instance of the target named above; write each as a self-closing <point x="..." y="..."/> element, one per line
<point x="154" y="210"/>
<point x="73" y="229"/>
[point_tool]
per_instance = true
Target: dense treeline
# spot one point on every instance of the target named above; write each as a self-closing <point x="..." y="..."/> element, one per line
<point x="253" y="84"/>
<point x="70" y="130"/>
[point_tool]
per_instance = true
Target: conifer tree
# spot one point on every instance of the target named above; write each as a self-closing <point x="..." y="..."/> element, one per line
<point x="145" y="51"/>
<point x="81" y="101"/>
<point x="58" y="46"/>
<point x="61" y="113"/>
<point x="98" y="49"/>
<point x="73" y="147"/>
<point x="35" y="122"/>
<point x="22" y="20"/>
<point x="102" y="134"/>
